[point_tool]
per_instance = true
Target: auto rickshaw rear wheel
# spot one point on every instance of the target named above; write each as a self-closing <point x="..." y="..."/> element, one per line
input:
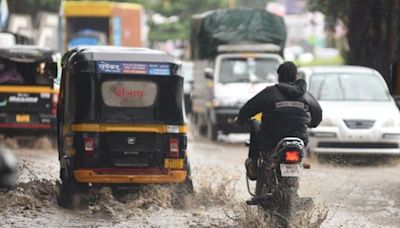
<point x="182" y="192"/>
<point x="188" y="186"/>
<point x="66" y="192"/>
<point x="68" y="189"/>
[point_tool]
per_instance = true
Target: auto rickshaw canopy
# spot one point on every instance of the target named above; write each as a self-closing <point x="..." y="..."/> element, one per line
<point x="110" y="84"/>
<point x="28" y="54"/>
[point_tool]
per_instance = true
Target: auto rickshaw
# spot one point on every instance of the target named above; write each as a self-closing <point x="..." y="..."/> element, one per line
<point x="28" y="94"/>
<point x="121" y="120"/>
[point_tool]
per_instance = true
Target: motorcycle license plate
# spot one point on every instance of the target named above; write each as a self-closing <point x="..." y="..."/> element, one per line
<point x="290" y="170"/>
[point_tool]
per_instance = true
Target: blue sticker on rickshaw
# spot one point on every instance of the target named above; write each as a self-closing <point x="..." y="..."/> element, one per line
<point x="111" y="67"/>
<point x="159" y="69"/>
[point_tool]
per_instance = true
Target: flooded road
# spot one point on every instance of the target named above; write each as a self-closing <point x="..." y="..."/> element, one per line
<point x="366" y="195"/>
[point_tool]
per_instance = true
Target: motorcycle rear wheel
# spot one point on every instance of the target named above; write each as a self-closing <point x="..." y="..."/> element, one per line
<point x="288" y="198"/>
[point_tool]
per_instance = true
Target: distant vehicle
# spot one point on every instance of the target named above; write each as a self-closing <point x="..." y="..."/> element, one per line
<point x="187" y="70"/>
<point x="121" y="120"/>
<point x="359" y="115"/>
<point x="8" y="39"/>
<point x="100" y="23"/>
<point x="236" y="54"/>
<point x="28" y="95"/>
<point x="87" y="37"/>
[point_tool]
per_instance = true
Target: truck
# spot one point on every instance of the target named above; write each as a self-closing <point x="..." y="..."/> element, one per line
<point x="100" y="23"/>
<point x="236" y="53"/>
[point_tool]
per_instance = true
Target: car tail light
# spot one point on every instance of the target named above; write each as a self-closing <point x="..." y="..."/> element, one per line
<point x="54" y="102"/>
<point x="173" y="148"/>
<point x="292" y="156"/>
<point x="89" y="145"/>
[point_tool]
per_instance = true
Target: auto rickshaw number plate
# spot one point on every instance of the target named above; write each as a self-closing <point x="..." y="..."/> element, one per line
<point x="23" y="118"/>
<point x="290" y="170"/>
<point x="173" y="163"/>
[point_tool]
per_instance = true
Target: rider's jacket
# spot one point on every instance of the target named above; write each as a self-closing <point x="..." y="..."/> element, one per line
<point x="287" y="110"/>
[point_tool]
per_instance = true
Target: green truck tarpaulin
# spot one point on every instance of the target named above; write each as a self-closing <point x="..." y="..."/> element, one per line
<point x="234" y="26"/>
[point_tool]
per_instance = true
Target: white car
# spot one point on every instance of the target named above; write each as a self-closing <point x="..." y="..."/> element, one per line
<point x="359" y="115"/>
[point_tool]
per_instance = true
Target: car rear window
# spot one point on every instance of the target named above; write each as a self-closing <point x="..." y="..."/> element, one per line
<point x="134" y="94"/>
<point x="348" y="87"/>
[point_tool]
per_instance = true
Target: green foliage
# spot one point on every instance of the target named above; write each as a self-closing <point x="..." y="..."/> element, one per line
<point x="333" y="61"/>
<point x="170" y="31"/>
<point x="33" y="6"/>
<point x="184" y="9"/>
<point x="372" y="30"/>
<point x="333" y="10"/>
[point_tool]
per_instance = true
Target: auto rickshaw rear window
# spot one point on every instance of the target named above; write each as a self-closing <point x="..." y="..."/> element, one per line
<point x="20" y="73"/>
<point x="133" y="94"/>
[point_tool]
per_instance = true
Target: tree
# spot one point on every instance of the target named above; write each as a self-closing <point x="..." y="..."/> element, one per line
<point x="184" y="9"/>
<point x="372" y="30"/>
<point x="33" y="6"/>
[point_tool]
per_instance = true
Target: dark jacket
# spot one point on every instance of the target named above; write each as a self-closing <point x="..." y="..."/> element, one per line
<point x="287" y="110"/>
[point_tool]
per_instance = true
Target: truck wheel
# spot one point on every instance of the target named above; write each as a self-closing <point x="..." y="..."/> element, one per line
<point x="212" y="131"/>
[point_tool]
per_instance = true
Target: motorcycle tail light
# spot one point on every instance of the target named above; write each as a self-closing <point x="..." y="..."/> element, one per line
<point x="89" y="145"/>
<point x="173" y="148"/>
<point x="292" y="156"/>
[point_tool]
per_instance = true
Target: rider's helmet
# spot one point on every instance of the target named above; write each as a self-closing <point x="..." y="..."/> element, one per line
<point x="8" y="168"/>
<point x="287" y="72"/>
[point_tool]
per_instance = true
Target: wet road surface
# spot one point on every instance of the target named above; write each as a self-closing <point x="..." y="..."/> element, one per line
<point x="366" y="195"/>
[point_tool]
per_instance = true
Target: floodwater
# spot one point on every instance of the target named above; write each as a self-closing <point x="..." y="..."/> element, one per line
<point x="352" y="195"/>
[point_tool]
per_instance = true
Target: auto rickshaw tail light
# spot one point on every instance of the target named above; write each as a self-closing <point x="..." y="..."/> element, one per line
<point x="292" y="156"/>
<point x="89" y="145"/>
<point x="173" y="148"/>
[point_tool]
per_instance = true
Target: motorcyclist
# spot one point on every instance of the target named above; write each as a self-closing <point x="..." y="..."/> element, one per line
<point x="287" y="110"/>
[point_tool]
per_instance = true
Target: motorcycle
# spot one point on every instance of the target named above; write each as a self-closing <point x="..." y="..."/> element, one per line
<point x="278" y="179"/>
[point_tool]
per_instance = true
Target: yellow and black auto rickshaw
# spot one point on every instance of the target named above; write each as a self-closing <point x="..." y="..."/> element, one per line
<point x="121" y="120"/>
<point x="28" y="96"/>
